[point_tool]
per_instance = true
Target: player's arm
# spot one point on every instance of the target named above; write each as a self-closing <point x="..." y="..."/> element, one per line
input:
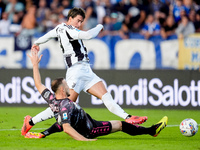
<point x="86" y="35"/>
<point x="67" y="128"/>
<point x="36" y="74"/>
<point x="45" y="38"/>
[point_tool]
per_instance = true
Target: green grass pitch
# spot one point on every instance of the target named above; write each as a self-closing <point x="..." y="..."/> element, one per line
<point x="11" y="120"/>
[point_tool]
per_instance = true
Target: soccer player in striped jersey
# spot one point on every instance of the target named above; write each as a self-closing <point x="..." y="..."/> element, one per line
<point x="79" y="75"/>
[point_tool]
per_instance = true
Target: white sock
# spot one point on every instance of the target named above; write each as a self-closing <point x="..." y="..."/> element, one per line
<point x="44" y="115"/>
<point x="112" y="106"/>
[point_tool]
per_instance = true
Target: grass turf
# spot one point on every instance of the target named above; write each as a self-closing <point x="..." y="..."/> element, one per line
<point x="11" y="120"/>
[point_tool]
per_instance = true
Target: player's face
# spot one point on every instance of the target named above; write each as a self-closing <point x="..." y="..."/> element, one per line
<point x="76" y="21"/>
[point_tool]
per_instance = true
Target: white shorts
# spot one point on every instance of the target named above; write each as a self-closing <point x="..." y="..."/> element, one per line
<point x="81" y="77"/>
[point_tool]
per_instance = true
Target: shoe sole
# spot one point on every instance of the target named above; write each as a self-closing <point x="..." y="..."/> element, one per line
<point x="143" y="120"/>
<point x="139" y="122"/>
<point x="34" y="136"/>
<point x="23" y="130"/>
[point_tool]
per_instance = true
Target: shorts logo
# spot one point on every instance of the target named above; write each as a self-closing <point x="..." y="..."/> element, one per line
<point x="65" y="116"/>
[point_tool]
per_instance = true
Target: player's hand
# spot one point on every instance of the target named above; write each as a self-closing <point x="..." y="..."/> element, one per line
<point x="34" y="56"/>
<point x="35" y="47"/>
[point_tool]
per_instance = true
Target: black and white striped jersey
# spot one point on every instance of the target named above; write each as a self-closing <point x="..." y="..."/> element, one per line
<point x="70" y="39"/>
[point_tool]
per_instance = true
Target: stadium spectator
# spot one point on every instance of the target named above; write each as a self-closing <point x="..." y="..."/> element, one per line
<point x="28" y="4"/>
<point x="77" y="3"/>
<point x="124" y="31"/>
<point x="91" y="14"/>
<point x="52" y="22"/>
<point x="54" y="6"/>
<point x="158" y="6"/>
<point x="79" y="75"/>
<point x="160" y="17"/>
<point x="111" y="24"/>
<point x="189" y="5"/>
<point x="4" y="24"/>
<point x="15" y="26"/>
<point x="107" y="24"/>
<point x="101" y="12"/>
<point x="133" y="11"/>
<point x="116" y="21"/>
<point x="159" y="10"/>
<point x="151" y="27"/>
<point x="122" y="7"/>
<point x="185" y="28"/>
<point x="14" y="6"/>
<point x="42" y="15"/>
<point x="2" y="8"/>
<point x="177" y="9"/>
<point x="73" y="120"/>
<point x="108" y="7"/>
<point x="169" y="27"/>
<point x="29" y="22"/>
<point x="135" y="17"/>
<point x="196" y="4"/>
<point x="65" y="7"/>
<point x="167" y="2"/>
<point x="192" y="15"/>
<point x="61" y="18"/>
<point x="197" y="22"/>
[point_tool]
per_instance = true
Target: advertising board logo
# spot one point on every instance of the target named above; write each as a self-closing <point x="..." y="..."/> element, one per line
<point x="154" y="93"/>
<point x="151" y="92"/>
<point x="21" y="90"/>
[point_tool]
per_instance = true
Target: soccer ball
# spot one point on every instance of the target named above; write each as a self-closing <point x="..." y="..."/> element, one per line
<point x="188" y="127"/>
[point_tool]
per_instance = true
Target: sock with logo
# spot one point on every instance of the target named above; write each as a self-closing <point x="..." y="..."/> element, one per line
<point x="53" y="129"/>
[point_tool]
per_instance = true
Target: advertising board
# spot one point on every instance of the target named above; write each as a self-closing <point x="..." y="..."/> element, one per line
<point x="171" y="89"/>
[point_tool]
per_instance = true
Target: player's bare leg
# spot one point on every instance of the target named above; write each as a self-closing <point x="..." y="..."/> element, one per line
<point x="100" y="92"/>
<point x="73" y="95"/>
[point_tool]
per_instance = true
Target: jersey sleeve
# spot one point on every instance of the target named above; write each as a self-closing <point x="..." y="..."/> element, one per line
<point x="92" y="33"/>
<point x="76" y="34"/>
<point x="47" y="95"/>
<point x="45" y="38"/>
<point x="65" y="114"/>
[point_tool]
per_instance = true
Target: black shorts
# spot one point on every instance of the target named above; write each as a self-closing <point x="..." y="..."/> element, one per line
<point x="99" y="128"/>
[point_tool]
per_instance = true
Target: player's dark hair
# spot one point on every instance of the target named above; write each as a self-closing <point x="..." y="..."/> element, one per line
<point x="76" y="11"/>
<point x="56" y="83"/>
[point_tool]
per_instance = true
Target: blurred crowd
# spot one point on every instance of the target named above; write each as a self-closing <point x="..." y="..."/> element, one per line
<point x="119" y="17"/>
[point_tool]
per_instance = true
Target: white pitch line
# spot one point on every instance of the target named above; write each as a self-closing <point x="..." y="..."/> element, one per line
<point x="176" y="125"/>
<point x="20" y="129"/>
<point x="172" y="125"/>
<point x="46" y="128"/>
